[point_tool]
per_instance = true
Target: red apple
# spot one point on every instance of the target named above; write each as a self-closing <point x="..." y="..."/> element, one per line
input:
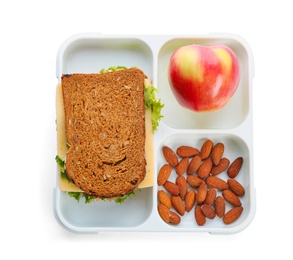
<point x="203" y="78"/>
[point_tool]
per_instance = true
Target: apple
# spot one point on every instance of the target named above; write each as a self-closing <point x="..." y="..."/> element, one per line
<point x="203" y="78"/>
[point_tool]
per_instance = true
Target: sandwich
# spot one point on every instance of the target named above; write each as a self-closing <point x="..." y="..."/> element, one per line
<point x="105" y="123"/>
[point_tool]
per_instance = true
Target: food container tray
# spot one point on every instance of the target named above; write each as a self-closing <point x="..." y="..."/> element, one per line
<point x="231" y="125"/>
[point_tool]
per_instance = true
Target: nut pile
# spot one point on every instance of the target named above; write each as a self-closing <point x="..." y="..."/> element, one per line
<point x="197" y="184"/>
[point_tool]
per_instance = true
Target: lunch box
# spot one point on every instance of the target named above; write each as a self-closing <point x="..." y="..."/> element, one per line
<point x="231" y="125"/>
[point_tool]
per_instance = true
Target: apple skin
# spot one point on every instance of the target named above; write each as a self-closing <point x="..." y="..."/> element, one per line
<point x="203" y="78"/>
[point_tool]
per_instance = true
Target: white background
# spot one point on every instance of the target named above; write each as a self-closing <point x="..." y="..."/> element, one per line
<point x="31" y="33"/>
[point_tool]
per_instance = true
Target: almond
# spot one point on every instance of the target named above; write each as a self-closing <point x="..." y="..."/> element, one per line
<point x="201" y="193"/>
<point x="208" y="211"/>
<point x="216" y="183"/>
<point x="235" y="167"/>
<point x="183" y="186"/>
<point x="232" y="215"/>
<point x="164" y="212"/>
<point x="200" y="218"/>
<point x="220" y="206"/>
<point x="211" y="195"/>
<point x="181" y="167"/>
<point x="172" y="188"/>
<point x="178" y="204"/>
<point x="190" y="200"/>
<point x="217" y="153"/>
<point x="194" y="165"/>
<point x="164" y="199"/>
<point x="230" y="197"/>
<point x="170" y="156"/>
<point x="186" y="151"/>
<point x="194" y="181"/>
<point x="205" y="168"/>
<point x="167" y="215"/>
<point x="206" y="149"/>
<point x="236" y="187"/>
<point x="222" y="166"/>
<point x="164" y="174"/>
<point x="174" y="218"/>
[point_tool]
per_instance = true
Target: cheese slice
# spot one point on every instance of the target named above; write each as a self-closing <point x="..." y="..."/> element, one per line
<point x="64" y="184"/>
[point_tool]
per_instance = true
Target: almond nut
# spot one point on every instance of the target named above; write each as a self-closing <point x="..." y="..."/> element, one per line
<point x="230" y="197"/>
<point x="194" y="181"/>
<point x="216" y="183"/>
<point x="190" y="200"/>
<point x="164" y="174"/>
<point x="235" y="167"/>
<point x="201" y="193"/>
<point x="194" y="165"/>
<point x="178" y="204"/>
<point x="164" y="212"/>
<point x="186" y="151"/>
<point x="208" y="211"/>
<point x="167" y="215"/>
<point x="205" y="168"/>
<point x="174" y="218"/>
<point x="181" y="167"/>
<point x="206" y="149"/>
<point x="200" y="218"/>
<point x="217" y="153"/>
<point x="211" y="195"/>
<point x="220" y="206"/>
<point x="222" y="166"/>
<point x="164" y="199"/>
<point x="172" y="188"/>
<point x="183" y="186"/>
<point x="236" y="187"/>
<point x="232" y="215"/>
<point x="170" y="156"/>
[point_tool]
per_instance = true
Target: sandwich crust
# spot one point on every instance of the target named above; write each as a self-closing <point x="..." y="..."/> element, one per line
<point x="105" y="131"/>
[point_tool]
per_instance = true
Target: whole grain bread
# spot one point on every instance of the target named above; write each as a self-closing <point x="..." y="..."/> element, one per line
<point x="105" y="130"/>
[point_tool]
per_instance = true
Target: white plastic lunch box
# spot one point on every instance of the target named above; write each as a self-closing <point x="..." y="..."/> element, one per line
<point x="231" y="125"/>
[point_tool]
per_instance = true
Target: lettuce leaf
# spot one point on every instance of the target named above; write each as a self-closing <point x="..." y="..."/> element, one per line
<point x="121" y="199"/>
<point x="88" y="199"/>
<point x="112" y="68"/>
<point x="61" y="164"/>
<point x="150" y="101"/>
<point x="78" y="195"/>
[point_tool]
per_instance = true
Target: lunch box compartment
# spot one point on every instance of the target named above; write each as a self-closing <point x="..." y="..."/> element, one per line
<point x="90" y="55"/>
<point x="230" y="116"/>
<point x="234" y="147"/>
<point x="86" y="217"/>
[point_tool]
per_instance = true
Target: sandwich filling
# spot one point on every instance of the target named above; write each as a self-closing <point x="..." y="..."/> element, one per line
<point x="105" y="130"/>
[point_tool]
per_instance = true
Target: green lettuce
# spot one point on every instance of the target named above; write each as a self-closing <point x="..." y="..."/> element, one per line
<point x="61" y="164"/>
<point x="121" y="199"/>
<point x="150" y="101"/>
<point x="78" y="195"/>
<point x="88" y="199"/>
<point x="112" y="68"/>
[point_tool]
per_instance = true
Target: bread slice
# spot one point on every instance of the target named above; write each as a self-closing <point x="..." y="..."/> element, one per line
<point x="105" y="131"/>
